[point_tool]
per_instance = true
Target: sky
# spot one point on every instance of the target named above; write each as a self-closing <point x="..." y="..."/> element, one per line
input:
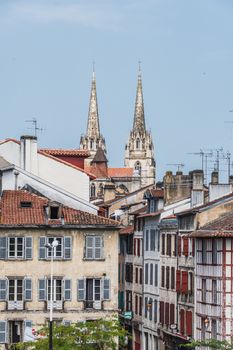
<point x="186" y="51"/>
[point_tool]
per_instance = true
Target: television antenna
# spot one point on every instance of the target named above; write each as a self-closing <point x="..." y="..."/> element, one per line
<point x="34" y="123"/>
<point x="178" y="165"/>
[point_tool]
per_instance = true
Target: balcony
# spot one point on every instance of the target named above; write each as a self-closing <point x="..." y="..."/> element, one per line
<point x="93" y="305"/>
<point x="57" y="305"/>
<point x="15" y="305"/>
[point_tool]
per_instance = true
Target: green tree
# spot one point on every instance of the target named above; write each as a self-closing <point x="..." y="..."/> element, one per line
<point x="210" y="344"/>
<point x="100" y="334"/>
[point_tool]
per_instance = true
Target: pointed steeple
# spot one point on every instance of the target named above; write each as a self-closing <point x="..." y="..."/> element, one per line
<point x="93" y="127"/>
<point x="139" y="118"/>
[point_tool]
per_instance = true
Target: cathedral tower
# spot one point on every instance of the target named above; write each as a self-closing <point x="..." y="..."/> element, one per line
<point x="139" y="151"/>
<point x="93" y="139"/>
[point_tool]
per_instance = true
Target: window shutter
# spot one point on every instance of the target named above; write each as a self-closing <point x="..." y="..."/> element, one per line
<point x="162" y="276"/>
<point x="3" y="325"/>
<point x="179" y="246"/>
<point x="184" y="287"/>
<point x="169" y="250"/>
<point x="27" y="289"/>
<point x="167" y="276"/>
<point x="161" y="312"/>
<point x="42" y="289"/>
<point x="172" y="277"/>
<point x="182" y="321"/>
<point x="3" y="289"/>
<point x="193" y="247"/>
<point x="106" y="289"/>
<point x="172" y="313"/>
<point x="156" y="275"/>
<point x="42" y="249"/>
<point x="139" y="246"/>
<point x="67" y="247"/>
<point x="3" y="247"/>
<point x="89" y="247"/>
<point x="178" y="281"/>
<point x="189" y="322"/>
<point x="167" y="314"/>
<point x="28" y="247"/>
<point x="134" y="246"/>
<point x="146" y="302"/>
<point x="81" y="289"/>
<point x="185" y="246"/>
<point x="98" y="247"/>
<point x="67" y="289"/>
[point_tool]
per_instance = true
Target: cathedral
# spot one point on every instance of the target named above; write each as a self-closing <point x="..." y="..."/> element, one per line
<point x="139" y="162"/>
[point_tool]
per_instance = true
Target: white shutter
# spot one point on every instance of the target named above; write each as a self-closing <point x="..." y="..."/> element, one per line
<point x="98" y="247"/>
<point x="81" y="289"/>
<point x="42" y="249"/>
<point x="3" y="247"/>
<point x="3" y="326"/>
<point x="3" y="289"/>
<point x="28" y="247"/>
<point x="42" y="295"/>
<point x="90" y="247"/>
<point x="106" y="289"/>
<point x="67" y="289"/>
<point x="27" y="289"/>
<point x="67" y="247"/>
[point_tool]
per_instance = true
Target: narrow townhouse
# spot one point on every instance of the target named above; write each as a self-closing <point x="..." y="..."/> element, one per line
<point x="85" y="284"/>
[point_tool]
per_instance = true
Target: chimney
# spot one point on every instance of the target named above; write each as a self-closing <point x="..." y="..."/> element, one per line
<point x="197" y="195"/>
<point x="28" y="154"/>
<point x="198" y="179"/>
<point x="214" y="178"/>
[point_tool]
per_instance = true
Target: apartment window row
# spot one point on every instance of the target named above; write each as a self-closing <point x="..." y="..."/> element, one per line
<point x="138" y="275"/>
<point x="18" y="290"/>
<point x="151" y="274"/>
<point x="184" y="282"/>
<point x="209" y="251"/>
<point x="152" y="238"/>
<point x="137" y="247"/>
<point x="168" y="244"/>
<point x="168" y="277"/>
<point x="138" y="305"/>
<point x="186" y="246"/>
<point x="151" y="309"/>
<point x="186" y="322"/>
<point x="22" y="247"/>
<point x="166" y="313"/>
<point x="213" y="291"/>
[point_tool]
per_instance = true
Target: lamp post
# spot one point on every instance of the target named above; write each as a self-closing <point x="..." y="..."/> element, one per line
<point x="51" y="246"/>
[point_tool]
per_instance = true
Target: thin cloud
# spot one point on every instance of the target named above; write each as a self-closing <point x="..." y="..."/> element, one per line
<point x="95" y="15"/>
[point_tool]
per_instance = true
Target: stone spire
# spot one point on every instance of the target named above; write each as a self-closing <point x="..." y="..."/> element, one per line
<point x="139" y="118"/>
<point x="93" y="127"/>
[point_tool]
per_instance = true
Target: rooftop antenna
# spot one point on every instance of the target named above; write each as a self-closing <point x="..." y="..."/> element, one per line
<point x="201" y="154"/>
<point x="178" y="165"/>
<point x="33" y="121"/>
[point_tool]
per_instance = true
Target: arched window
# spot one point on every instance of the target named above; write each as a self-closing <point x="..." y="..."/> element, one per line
<point x="92" y="190"/>
<point x="91" y="144"/>
<point x="137" y="143"/>
<point x="138" y="167"/>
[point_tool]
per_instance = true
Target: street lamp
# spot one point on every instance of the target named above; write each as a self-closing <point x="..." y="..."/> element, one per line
<point x="51" y="246"/>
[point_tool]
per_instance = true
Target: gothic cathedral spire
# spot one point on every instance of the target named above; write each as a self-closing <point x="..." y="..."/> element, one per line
<point x="93" y="139"/>
<point x="139" y="150"/>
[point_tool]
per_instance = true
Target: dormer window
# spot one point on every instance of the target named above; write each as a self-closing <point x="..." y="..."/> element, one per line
<point x="25" y="204"/>
<point x="54" y="213"/>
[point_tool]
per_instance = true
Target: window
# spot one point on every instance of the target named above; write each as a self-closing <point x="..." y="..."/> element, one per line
<point x="136" y="275"/>
<point x="54" y="212"/>
<point x="163" y="244"/>
<point x="156" y="275"/>
<point x="62" y="251"/>
<point x="139" y="247"/>
<point x="167" y="277"/>
<point x="129" y="245"/>
<point x="190" y="286"/>
<point x="15" y="289"/>
<point x="94" y="247"/>
<point x="162" y="276"/>
<point x="146" y="306"/>
<point x="92" y="291"/>
<point x="202" y="329"/>
<point x="25" y="204"/>
<point x="203" y="290"/>
<point x="146" y="273"/>
<point x="214" y="251"/>
<point x="128" y="300"/>
<point x="57" y="289"/>
<point x="61" y="290"/>
<point x="93" y="190"/>
<point x="155" y="310"/>
<point x="152" y="240"/>
<point x="151" y="274"/>
<point x="169" y="247"/>
<point x="152" y="205"/>
<point x="140" y="276"/>
<point x="129" y="272"/>
<point x="204" y="251"/>
<point x="172" y="277"/>
<point x="214" y="329"/>
<point x="214" y="292"/>
<point x="147" y="240"/>
<point x="138" y="167"/>
<point x="136" y="304"/>
<point x="16" y="247"/>
<point x="137" y="143"/>
<point x="140" y="306"/>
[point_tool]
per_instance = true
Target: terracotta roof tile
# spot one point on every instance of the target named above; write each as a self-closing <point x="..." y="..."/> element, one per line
<point x="66" y="152"/>
<point x="11" y="212"/>
<point x="127" y="230"/>
<point x="221" y="227"/>
<point x="120" y="172"/>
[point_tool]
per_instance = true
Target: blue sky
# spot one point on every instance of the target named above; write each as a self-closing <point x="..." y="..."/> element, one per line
<point x="46" y="54"/>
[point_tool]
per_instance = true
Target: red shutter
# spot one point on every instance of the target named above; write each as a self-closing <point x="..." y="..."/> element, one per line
<point x="167" y="314"/>
<point x="182" y="321"/>
<point x="179" y="246"/>
<point x="189" y="322"/>
<point x="193" y="247"/>
<point x="185" y="246"/>
<point x="184" y="284"/>
<point x="172" y="314"/>
<point x="161" y="312"/>
<point x="178" y="281"/>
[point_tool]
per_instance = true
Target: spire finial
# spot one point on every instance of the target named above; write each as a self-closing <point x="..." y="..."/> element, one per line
<point x="93" y="69"/>
<point x="139" y="69"/>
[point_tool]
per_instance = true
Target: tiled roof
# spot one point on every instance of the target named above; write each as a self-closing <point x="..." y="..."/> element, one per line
<point x="221" y="227"/>
<point x="154" y="192"/>
<point x="9" y="140"/>
<point x="151" y="214"/>
<point x="67" y="152"/>
<point x="139" y="211"/>
<point x="126" y="230"/>
<point x="120" y="172"/>
<point x="12" y="214"/>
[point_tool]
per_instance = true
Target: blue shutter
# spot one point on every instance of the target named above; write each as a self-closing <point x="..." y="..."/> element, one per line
<point x="89" y="247"/>
<point x="3" y="247"/>
<point x="3" y="325"/>
<point x="67" y="247"/>
<point x="67" y="289"/>
<point x="3" y="289"/>
<point x="27" y="289"/>
<point x="106" y="289"/>
<point x="42" y="289"/>
<point x="81" y="289"/>
<point x="98" y="247"/>
<point x="28" y="247"/>
<point x="42" y="249"/>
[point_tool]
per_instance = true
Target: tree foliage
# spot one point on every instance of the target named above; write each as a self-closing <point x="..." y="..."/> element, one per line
<point x="210" y="344"/>
<point x="99" y="334"/>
